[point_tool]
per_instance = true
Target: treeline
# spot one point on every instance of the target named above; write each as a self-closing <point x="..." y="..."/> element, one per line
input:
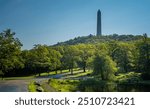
<point x="91" y="39"/>
<point x="107" y="58"/>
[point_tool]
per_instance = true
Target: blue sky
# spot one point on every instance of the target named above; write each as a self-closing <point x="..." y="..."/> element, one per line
<point x="52" y="21"/>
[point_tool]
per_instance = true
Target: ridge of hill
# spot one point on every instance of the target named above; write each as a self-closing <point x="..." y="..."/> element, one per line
<point x="95" y="39"/>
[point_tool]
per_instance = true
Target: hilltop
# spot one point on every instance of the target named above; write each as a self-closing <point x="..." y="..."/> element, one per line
<point x="95" y="39"/>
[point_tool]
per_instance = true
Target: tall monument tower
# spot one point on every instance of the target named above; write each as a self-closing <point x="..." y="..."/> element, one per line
<point x="99" y="29"/>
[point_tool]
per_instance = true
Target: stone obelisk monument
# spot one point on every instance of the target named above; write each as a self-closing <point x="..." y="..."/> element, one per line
<point x="99" y="29"/>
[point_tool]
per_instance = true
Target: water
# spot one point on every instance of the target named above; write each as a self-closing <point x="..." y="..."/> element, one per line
<point x="126" y="88"/>
<point x="133" y="88"/>
<point x="116" y="88"/>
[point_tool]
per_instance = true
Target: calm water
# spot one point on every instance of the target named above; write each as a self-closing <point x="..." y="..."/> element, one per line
<point x="116" y="88"/>
<point x="126" y="88"/>
<point x="134" y="88"/>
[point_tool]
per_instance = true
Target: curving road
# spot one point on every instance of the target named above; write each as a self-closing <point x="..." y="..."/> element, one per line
<point x="17" y="85"/>
<point x="22" y="85"/>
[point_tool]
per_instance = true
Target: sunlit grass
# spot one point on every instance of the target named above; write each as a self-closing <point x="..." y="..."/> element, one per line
<point x="32" y="87"/>
<point x="128" y="77"/>
<point x="34" y="76"/>
<point x="58" y="72"/>
<point x="79" y="74"/>
<point x="64" y="85"/>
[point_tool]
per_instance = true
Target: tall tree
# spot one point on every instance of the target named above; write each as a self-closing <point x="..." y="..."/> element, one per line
<point x="55" y="59"/>
<point x="85" y="52"/>
<point x="122" y="54"/>
<point x="10" y="50"/>
<point x="144" y="55"/>
<point x="104" y="66"/>
<point x="39" y="59"/>
<point x="71" y="56"/>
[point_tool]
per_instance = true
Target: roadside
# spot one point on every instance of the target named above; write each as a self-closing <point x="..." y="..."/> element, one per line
<point x="20" y="84"/>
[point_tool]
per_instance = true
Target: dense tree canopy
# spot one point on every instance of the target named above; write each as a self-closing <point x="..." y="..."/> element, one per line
<point x="105" y="55"/>
<point x="91" y="39"/>
<point x="70" y="57"/>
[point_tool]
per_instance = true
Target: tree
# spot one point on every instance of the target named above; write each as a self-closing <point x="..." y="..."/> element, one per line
<point x="39" y="59"/>
<point x="122" y="54"/>
<point x="1" y="74"/>
<point x="104" y="66"/>
<point x="113" y="47"/>
<point x="70" y="57"/>
<point x="26" y="56"/>
<point x="10" y="50"/>
<point x="144" y="56"/>
<point x="85" y="52"/>
<point x="55" y="59"/>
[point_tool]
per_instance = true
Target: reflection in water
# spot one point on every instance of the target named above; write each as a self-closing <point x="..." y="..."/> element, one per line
<point x="104" y="86"/>
<point x="133" y="87"/>
<point x="125" y="88"/>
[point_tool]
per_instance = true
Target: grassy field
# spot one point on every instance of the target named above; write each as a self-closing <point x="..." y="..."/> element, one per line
<point x="37" y="75"/>
<point x="64" y="85"/>
<point x="18" y="78"/>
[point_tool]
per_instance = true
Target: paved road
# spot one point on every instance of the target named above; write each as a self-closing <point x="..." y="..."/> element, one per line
<point x="21" y="85"/>
<point x="17" y="85"/>
<point x="14" y="85"/>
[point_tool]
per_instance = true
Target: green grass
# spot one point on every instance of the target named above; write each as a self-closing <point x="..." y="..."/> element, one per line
<point x="92" y="84"/>
<point x="42" y="74"/>
<point x="32" y="87"/>
<point x="129" y="78"/>
<point x="19" y="78"/>
<point x="79" y="74"/>
<point x="58" y="72"/>
<point x="46" y="74"/>
<point x="64" y="85"/>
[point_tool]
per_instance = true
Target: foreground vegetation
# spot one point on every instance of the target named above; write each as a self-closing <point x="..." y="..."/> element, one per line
<point x="123" y="82"/>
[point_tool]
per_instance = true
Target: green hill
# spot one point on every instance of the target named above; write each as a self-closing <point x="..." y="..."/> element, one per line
<point x="95" y="39"/>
